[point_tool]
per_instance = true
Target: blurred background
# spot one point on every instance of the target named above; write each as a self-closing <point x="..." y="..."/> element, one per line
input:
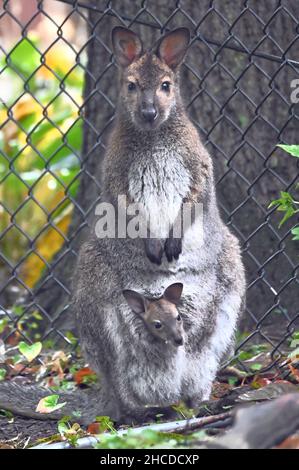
<point x="32" y="102"/>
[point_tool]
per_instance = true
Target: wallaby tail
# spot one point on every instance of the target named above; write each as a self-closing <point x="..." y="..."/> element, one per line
<point x="22" y="400"/>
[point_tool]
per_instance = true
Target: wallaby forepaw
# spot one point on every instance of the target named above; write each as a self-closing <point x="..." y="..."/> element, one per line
<point x="154" y="250"/>
<point x="173" y="248"/>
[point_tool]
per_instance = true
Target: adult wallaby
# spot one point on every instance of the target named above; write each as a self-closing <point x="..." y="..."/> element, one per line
<point x="154" y="157"/>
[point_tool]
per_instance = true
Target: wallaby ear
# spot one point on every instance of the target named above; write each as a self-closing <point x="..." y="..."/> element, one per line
<point x="135" y="301"/>
<point x="127" y="46"/>
<point x="173" y="46"/>
<point x="173" y="293"/>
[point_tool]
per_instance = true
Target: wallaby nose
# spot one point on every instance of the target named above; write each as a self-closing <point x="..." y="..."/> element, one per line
<point x="149" y="113"/>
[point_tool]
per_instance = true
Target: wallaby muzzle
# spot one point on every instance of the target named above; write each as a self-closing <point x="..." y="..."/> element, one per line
<point x="148" y="110"/>
<point x="149" y="113"/>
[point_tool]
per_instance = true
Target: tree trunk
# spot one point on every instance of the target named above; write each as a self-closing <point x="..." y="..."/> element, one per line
<point x="241" y="105"/>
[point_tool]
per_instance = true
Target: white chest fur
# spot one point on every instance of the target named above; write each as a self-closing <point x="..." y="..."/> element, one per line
<point x="159" y="183"/>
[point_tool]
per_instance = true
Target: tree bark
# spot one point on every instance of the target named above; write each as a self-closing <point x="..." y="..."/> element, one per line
<point x="241" y="106"/>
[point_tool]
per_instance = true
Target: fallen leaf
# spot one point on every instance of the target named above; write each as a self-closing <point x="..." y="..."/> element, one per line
<point x="259" y="382"/>
<point x="220" y="389"/>
<point x="294" y="371"/>
<point x="13" y="339"/>
<point x="268" y="392"/>
<point x="94" y="428"/>
<point x="81" y="375"/>
<point x="30" y="351"/>
<point x="49" y="404"/>
<point x="16" y="369"/>
<point x="291" y="442"/>
<point x="58" y="363"/>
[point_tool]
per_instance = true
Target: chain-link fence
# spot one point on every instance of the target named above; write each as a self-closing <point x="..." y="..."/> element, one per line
<point x="239" y="81"/>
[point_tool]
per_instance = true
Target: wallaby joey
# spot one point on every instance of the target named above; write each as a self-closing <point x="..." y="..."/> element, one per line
<point x="154" y="158"/>
<point x="160" y="316"/>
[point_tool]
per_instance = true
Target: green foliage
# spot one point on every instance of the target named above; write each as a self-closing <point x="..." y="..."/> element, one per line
<point x="252" y="351"/>
<point x="286" y="203"/>
<point x="294" y="341"/>
<point x="90" y="379"/>
<point x="295" y="233"/>
<point x="105" y="424"/>
<point x="149" y="439"/>
<point x="40" y="140"/>
<point x="291" y="149"/>
<point x="256" y="366"/>
<point x="68" y="431"/>
<point x="146" y="439"/>
<point x="2" y="374"/>
<point x="184" y="411"/>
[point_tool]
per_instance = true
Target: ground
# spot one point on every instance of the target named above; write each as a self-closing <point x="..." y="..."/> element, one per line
<point x="254" y="382"/>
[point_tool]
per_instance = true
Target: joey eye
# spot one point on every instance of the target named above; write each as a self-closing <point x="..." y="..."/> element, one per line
<point x="165" y="86"/>
<point x="157" y="324"/>
<point x="179" y="318"/>
<point x="131" y="86"/>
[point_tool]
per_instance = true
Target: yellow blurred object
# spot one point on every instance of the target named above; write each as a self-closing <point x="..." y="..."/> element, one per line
<point x="60" y="58"/>
<point x="47" y="245"/>
<point x="25" y="106"/>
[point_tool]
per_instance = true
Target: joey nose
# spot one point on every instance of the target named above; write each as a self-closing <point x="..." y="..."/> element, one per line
<point x="149" y="113"/>
<point x="178" y="341"/>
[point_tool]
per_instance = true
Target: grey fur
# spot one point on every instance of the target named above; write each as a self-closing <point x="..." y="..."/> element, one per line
<point x="166" y="165"/>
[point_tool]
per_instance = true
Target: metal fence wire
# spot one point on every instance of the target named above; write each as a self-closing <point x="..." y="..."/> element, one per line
<point x="237" y="80"/>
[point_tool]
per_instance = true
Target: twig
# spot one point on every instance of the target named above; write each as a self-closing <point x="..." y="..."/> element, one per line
<point x="176" y="426"/>
<point x="201" y="422"/>
<point x="240" y="374"/>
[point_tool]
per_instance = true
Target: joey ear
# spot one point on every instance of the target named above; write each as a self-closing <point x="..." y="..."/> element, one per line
<point x="127" y="46"/>
<point x="173" y="293"/>
<point x="135" y="301"/>
<point x="173" y="46"/>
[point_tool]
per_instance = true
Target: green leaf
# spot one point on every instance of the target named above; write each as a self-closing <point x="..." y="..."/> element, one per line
<point x="2" y="374"/>
<point x="232" y="380"/>
<point x="288" y="214"/>
<point x="49" y="404"/>
<point x="25" y="49"/>
<point x="183" y="410"/>
<point x="105" y="424"/>
<point x="284" y="204"/>
<point x="3" y="324"/>
<point x="244" y="355"/>
<point x="30" y="351"/>
<point x="63" y="427"/>
<point x="295" y="233"/>
<point x="256" y="366"/>
<point x="291" y="149"/>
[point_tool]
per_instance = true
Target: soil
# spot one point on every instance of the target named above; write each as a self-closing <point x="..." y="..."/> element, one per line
<point x="24" y="431"/>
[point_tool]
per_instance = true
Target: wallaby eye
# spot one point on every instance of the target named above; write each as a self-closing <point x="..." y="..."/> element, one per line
<point x="165" y="86"/>
<point x="179" y="318"/>
<point x="131" y="86"/>
<point x="157" y="324"/>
